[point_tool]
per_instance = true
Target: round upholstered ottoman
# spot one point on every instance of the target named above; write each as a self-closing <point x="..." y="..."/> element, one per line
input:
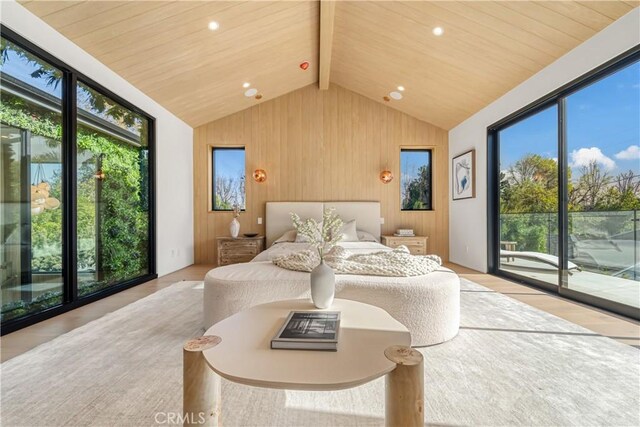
<point x="429" y="305"/>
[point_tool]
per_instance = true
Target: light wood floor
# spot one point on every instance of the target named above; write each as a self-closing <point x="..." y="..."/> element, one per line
<point x="599" y="321"/>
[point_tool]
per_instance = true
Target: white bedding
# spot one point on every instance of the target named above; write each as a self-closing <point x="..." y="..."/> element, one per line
<point x="287" y="248"/>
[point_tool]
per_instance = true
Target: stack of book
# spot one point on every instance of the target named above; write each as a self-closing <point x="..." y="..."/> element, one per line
<point x="404" y="232"/>
<point x="309" y="330"/>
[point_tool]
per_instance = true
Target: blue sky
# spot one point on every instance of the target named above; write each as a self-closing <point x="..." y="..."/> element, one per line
<point x="229" y="163"/>
<point x="21" y="69"/>
<point x="603" y="124"/>
<point x="410" y="162"/>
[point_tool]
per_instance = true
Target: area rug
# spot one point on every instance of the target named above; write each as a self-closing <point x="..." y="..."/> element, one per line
<point x="511" y="364"/>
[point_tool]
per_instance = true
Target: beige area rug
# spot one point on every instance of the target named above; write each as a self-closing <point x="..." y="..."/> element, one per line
<point x="511" y="364"/>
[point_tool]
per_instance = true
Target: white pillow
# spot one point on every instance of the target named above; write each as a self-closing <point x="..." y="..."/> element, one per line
<point x="364" y="236"/>
<point x="349" y="232"/>
<point x="304" y="239"/>
<point x="288" y="236"/>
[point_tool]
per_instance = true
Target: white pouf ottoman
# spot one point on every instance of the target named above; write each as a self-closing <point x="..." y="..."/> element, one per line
<point x="429" y="305"/>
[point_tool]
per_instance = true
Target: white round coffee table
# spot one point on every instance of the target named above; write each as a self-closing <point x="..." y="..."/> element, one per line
<point x="371" y="344"/>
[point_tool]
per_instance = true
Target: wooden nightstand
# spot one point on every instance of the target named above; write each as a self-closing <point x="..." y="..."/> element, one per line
<point x="417" y="245"/>
<point x="240" y="249"/>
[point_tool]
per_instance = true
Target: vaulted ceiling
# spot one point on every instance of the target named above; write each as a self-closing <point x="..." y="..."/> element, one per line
<point x="166" y="49"/>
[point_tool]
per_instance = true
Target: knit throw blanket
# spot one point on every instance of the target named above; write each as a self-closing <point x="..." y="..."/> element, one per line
<point x="396" y="263"/>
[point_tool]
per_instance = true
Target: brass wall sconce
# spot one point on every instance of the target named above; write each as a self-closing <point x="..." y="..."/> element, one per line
<point x="99" y="175"/>
<point x="386" y="176"/>
<point x="259" y="175"/>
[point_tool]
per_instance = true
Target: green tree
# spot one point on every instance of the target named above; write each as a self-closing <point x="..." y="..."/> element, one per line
<point x="417" y="192"/>
<point x="530" y="185"/>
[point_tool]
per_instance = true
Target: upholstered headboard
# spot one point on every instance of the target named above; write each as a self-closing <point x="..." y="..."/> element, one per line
<point x="366" y="214"/>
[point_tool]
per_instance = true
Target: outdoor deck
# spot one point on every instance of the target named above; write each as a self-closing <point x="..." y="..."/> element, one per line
<point x="617" y="289"/>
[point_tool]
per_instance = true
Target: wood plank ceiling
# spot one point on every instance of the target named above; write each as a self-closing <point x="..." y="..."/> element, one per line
<point x="165" y="48"/>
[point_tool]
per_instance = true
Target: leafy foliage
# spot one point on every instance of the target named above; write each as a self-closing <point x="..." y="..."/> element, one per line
<point x="417" y="192"/>
<point x="322" y="236"/>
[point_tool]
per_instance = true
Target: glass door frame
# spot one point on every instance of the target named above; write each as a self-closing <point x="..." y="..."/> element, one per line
<point x="557" y="98"/>
<point x="70" y="299"/>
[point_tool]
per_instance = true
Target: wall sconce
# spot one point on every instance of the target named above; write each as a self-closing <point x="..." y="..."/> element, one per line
<point x="259" y="175"/>
<point x="99" y="175"/>
<point x="386" y="176"/>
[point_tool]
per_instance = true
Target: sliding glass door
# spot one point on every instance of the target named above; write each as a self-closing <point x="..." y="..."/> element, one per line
<point x="564" y="177"/>
<point x="76" y="188"/>
<point x="112" y="192"/>
<point x="603" y="147"/>
<point x="529" y="197"/>
<point x="31" y="183"/>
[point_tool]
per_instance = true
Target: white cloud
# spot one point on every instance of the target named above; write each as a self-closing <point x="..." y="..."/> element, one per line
<point x="584" y="156"/>
<point x="632" y="152"/>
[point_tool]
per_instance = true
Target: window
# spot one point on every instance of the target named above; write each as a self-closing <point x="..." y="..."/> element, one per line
<point x="76" y="188"/>
<point x="564" y="192"/>
<point x="415" y="179"/>
<point x="228" y="186"/>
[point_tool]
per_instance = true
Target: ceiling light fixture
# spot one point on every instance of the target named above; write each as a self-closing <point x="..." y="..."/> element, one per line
<point x="401" y="88"/>
<point x="396" y="95"/>
<point x="246" y="85"/>
<point x="213" y="25"/>
<point x="438" y="31"/>
<point x="250" y="92"/>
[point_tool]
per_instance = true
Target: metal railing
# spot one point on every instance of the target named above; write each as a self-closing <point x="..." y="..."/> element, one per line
<point x="605" y="242"/>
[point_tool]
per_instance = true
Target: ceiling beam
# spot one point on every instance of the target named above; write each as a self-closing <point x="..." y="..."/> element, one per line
<point x="327" y="17"/>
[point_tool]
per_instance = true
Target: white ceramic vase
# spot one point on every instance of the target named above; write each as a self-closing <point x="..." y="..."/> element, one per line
<point x="234" y="228"/>
<point x="323" y="285"/>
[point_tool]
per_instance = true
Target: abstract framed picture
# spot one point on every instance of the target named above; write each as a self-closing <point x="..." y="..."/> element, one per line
<point x="464" y="175"/>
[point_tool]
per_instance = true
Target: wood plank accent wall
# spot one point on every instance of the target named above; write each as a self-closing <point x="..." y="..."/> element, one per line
<point x="320" y="146"/>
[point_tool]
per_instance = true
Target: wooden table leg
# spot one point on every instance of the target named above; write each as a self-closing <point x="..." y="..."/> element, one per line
<point x="404" y="388"/>
<point x="201" y="385"/>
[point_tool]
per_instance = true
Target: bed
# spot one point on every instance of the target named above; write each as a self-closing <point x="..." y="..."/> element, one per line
<point x="428" y="305"/>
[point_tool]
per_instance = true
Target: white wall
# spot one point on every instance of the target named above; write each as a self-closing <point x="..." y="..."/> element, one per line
<point x="174" y="138"/>
<point x="468" y="218"/>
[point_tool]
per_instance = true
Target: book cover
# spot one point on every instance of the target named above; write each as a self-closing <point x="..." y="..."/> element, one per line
<point x="310" y="330"/>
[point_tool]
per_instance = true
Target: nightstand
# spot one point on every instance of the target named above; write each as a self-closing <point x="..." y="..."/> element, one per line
<point x="417" y="244"/>
<point x="240" y="249"/>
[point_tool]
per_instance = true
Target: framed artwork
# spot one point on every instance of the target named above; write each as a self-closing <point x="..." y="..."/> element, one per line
<point x="464" y="175"/>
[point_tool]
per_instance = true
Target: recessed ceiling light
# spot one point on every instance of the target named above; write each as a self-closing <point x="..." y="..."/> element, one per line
<point x="250" y="92"/>
<point x="401" y="88"/>
<point x="438" y="31"/>
<point x="396" y="95"/>
<point x="213" y="25"/>
<point x="246" y="85"/>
